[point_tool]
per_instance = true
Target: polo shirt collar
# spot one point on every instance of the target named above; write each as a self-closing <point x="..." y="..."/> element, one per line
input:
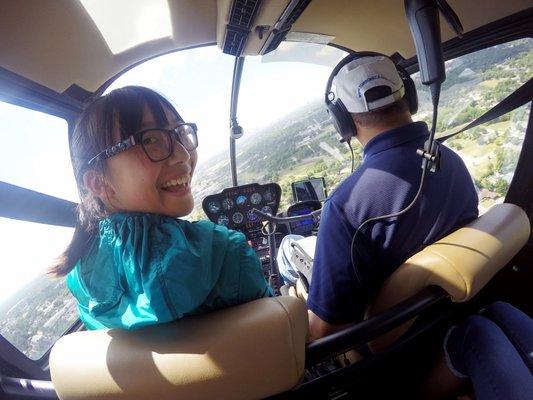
<point x="395" y="137"/>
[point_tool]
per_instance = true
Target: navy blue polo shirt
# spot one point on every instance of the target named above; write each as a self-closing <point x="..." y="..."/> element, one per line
<point x="385" y="183"/>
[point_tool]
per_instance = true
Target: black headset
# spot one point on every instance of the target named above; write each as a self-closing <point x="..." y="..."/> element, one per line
<point x="342" y="119"/>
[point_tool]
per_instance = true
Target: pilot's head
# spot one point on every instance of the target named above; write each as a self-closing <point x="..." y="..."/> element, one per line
<point x="369" y="94"/>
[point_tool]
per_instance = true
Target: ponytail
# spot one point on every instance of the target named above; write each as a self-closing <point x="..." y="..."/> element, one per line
<point x="78" y="247"/>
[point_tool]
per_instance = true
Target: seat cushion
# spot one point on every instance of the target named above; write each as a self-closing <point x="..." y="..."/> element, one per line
<point x="461" y="263"/>
<point x="245" y="352"/>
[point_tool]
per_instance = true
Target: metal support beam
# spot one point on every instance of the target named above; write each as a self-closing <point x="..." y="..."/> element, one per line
<point x="235" y="130"/>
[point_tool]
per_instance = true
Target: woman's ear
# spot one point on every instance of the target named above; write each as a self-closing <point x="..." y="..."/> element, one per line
<point x="96" y="183"/>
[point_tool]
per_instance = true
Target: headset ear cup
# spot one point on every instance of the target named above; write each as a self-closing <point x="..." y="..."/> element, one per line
<point x="342" y="120"/>
<point x="410" y="94"/>
<point x="410" y="90"/>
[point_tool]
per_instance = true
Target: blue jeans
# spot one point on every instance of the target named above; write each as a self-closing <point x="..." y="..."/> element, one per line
<point x="287" y="269"/>
<point x="495" y="350"/>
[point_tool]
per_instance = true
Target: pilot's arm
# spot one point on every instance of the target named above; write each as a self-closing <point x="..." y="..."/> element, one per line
<point x="319" y="328"/>
<point x="336" y="298"/>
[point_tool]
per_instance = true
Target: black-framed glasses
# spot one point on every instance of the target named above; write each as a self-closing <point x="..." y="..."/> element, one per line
<point x="157" y="143"/>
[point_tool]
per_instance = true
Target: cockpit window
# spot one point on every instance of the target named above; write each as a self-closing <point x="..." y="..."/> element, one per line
<point x="34" y="152"/>
<point x="35" y="310"/>
<point x="474" y="83"/>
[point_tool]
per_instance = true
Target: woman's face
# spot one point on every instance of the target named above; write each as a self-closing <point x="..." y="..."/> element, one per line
<point x="135" y="183"/>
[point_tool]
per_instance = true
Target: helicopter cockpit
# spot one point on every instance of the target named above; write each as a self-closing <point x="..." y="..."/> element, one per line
<point x="251" y="74"/>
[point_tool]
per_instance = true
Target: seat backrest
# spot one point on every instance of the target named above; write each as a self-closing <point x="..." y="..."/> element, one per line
<point x="248" y="351"/>
<point x="461" y="263"/>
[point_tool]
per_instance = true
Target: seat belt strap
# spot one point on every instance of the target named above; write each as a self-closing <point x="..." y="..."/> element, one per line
<point x="521" y="96"/>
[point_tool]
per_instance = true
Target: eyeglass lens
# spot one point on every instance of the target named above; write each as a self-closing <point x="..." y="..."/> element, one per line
<point x="187" y="136"/>
<point x="158" y="144"/>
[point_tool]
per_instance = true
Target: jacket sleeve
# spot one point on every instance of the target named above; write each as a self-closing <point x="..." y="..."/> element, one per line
<point x="252" y="282"/>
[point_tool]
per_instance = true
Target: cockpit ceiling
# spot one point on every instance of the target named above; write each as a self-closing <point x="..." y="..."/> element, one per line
<point x="56" y="43"/>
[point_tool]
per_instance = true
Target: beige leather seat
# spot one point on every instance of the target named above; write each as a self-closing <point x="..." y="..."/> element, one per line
<point x="249" y="351"/>
<point x="461" y="263"/>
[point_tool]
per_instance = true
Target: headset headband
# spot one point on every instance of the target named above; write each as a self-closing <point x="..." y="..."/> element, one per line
<point x="348" y="59"/>
<point x="339" y="114"/>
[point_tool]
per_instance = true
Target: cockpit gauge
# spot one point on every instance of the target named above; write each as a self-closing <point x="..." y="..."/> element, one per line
<point x="223" y="220"/>
<point x="227" y="204"/>
<point x="232" y="207"/>
<point x="252" y="217"/>
<point x="214" y="206"/>
<point x="237" y="218"/>
<point x="266" y="209"/>
<point x="240" y="200"/>
<point x="255" y="198"/>
<point x="269" y="195"/>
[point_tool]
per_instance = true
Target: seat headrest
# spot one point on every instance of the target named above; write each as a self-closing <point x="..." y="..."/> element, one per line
<point x="461" y="263"/>
<point x="250" y="351"/>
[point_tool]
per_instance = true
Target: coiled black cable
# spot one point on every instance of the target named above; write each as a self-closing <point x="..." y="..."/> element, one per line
<point x="428" y="158"/>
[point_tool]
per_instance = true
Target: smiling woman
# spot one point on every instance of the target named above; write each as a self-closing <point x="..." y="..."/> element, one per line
<point x="132" y="261"/>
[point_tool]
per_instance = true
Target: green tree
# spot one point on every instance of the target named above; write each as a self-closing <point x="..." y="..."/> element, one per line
<point x="501" y="186"/>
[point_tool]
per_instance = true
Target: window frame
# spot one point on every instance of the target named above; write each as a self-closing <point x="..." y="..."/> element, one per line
<point x="505" y="30"/>
<point x="38" y="100"/>
<point x="19" y="364"/>
<point x="523" y="176"/>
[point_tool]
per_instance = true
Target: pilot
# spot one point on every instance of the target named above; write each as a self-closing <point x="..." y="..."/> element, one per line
<point x="374" y="103"/>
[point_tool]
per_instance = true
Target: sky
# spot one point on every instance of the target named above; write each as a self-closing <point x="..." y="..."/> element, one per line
<point x="198" y="83"/>
<point x="34" y="152"/>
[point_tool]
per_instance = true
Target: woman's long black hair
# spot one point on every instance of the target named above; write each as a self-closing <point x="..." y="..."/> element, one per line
<point x="121" y="110"/>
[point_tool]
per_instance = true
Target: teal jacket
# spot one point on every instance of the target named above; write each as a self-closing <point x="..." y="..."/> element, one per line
<point x="147" y="269"/>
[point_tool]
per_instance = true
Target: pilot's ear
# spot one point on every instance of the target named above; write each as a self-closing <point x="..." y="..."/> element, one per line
<point x="96" y="183"/>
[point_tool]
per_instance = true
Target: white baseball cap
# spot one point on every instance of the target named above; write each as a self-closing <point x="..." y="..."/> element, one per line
<point x="354" y="81"/>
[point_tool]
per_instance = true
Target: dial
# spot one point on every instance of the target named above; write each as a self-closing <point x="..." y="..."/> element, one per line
<point x="269" y="195"/>
<point x="240" y="200"/>
<point x="266" y="209"/>
<point x="252" y="216"/>
<point x="255" y="198"/>
<point x="213" y="206"/>
<point x="223" y="220"/>
<point x="227" y="204"/>
<point x="237" y="217"/>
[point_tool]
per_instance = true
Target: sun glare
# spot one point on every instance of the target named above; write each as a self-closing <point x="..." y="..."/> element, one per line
<point x="128" y="23"/>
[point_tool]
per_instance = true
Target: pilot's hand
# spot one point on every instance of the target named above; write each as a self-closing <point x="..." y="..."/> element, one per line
<point x="292" y="291"/>
<point x="298" y="291"/>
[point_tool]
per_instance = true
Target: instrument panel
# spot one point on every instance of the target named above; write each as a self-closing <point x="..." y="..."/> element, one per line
<point x="233" y="206"/>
